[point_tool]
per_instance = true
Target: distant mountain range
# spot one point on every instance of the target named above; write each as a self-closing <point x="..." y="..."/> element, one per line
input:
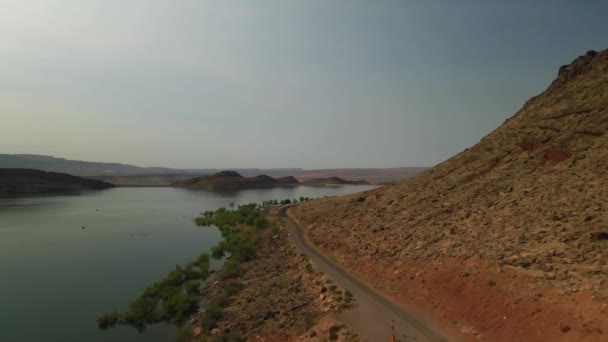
<point x="130" y="175"/>
<point x="230" y="180"/>
<point x="83" y="168"/>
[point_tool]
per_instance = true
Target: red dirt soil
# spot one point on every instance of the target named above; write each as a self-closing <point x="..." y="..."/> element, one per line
<point x="482" y="302"/>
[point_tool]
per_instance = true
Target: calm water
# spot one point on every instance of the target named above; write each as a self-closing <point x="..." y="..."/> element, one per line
<point x="56" y="277"/>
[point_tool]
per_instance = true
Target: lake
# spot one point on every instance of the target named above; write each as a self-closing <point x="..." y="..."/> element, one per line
<point x="66" y="259"/>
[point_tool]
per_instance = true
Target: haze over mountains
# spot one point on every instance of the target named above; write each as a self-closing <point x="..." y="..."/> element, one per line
<point x="508" y="239"/>
<point x="124" y="174"/>
<point x="84" y="168"/>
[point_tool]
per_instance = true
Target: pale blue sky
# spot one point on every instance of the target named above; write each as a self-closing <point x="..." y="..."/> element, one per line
<point x="313" y="84"/>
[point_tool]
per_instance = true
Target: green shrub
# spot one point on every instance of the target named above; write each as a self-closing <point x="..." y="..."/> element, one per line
<point x="232" y="287"/>
<point x="333" y="332"/>
<point x="221" y="300"/>
<point x="213" y="313"/>
<point x="192" y="286"/>
<point x="231" y="269"/>
<point x="184" y="334"/>
<point x="348" y="297"/>
<point x="108" y="321"/>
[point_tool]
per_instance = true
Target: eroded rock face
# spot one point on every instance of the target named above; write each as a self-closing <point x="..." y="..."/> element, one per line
<point x="16" y="182"/>
<point x="531" y="195"/>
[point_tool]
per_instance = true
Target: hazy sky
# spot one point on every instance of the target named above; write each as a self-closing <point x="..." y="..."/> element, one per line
<point x="285" y="83"/>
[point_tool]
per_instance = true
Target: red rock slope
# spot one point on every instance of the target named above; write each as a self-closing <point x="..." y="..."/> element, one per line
<point x="506" y="241"/>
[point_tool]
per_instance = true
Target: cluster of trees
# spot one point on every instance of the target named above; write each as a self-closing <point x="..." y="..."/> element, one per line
<point x="241" y="243"/>
<point x="176" y="297"/>
<point x="170" y="300"/>
<point x="271" y="203"/>
<point x="228" y="220"/>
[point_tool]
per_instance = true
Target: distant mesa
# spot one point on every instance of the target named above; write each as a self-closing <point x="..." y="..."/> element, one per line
<point x="231" y="180"/>
<point x="18" y="182"/>
<point x="288" y="180"/>
<point x="334" y="181"/>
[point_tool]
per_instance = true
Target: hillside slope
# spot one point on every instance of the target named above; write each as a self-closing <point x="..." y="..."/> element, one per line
<point x="15" y="182"/>
<point x="507" y="240"/>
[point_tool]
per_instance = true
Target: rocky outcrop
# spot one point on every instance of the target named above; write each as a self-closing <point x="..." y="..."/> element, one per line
<point x="16" y="182"/>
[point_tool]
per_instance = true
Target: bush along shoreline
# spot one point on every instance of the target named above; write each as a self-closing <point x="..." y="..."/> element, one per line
<point x="177" y="297"/>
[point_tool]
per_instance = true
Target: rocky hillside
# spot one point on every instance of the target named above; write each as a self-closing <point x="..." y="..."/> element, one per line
<point x="507" y="240"/>
<point x="231" y="180"/>
<point x="15" y="182"/>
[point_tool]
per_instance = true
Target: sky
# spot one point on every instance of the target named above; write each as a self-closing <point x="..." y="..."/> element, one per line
<point x="269" y="84"/>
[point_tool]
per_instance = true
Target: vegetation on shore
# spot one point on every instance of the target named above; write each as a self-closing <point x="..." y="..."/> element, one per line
<point x="239" y="230"/>
<point x="171" y="300"/>
<point x="271" y="203"/>
<point x="175" y="298"/>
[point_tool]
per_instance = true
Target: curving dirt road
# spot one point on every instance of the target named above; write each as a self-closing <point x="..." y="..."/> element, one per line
<point x="375" y="316"/>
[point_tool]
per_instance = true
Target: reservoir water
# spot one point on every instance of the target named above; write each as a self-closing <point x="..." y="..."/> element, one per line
<point x="66" y="259"/>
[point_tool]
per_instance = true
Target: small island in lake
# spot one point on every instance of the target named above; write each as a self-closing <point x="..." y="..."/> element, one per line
<point x="16" y="182"/>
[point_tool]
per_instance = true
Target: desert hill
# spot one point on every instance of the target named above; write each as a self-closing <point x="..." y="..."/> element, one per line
<point x="508" y="240"/>
<point x="14" y="182"/>
<point x="231" y="180"/>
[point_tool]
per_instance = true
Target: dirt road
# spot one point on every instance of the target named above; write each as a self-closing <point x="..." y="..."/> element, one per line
<point x="375" y="316"/>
